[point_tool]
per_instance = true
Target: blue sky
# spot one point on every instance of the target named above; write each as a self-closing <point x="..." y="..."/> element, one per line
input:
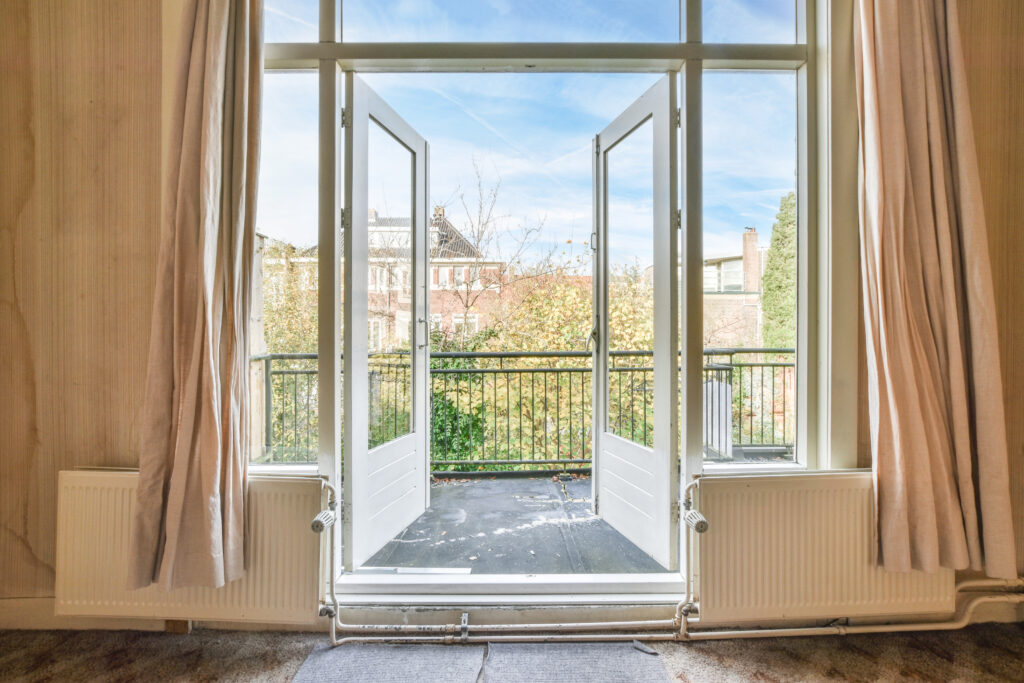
<point x="534" y="131"/>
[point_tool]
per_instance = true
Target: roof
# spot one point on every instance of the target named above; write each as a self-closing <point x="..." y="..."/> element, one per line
<point x="446" y="242"/>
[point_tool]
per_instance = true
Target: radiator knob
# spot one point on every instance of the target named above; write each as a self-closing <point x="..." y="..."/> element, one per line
<point x="696" y="521"/>
<point x="323" y="521"/>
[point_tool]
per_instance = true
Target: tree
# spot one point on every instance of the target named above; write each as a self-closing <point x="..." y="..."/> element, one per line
<point x="500" y="250"/>
<point x="778" y="283"/>
<point x="289" y="288"/>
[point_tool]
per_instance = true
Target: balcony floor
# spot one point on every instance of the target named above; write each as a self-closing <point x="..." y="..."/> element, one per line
<point x="513" y="525"/>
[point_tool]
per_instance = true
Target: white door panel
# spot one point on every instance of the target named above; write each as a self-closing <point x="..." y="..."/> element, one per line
<point x="636" y="462"/>
<point x="385" y="381"/>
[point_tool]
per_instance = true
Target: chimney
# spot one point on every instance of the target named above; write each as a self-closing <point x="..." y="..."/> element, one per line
<point x="751" y="262"/>
<point x="439" y="211"/>
<point x="372" y="216"/>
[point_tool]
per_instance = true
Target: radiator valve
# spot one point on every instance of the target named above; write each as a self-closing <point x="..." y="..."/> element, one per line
<point x="323" y="521"/>
<point x="696" y="521"/>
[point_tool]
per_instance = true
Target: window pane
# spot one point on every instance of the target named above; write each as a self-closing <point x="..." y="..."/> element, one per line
<point x="291" y="21"/>
<point x="750" y="233"/>
<point x="389" y="306"/>
<point x="749" y="21"/>
<point x="630" y="240"/>
<point x="283" y="339"/>
<point x="534" y="21"/>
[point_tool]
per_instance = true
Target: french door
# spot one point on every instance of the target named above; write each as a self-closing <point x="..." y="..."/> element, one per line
<point x="385" y="472"/>
<point x="636" y="427"/>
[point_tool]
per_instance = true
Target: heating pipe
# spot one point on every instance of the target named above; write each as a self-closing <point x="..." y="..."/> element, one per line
<point x="678" y="628"/>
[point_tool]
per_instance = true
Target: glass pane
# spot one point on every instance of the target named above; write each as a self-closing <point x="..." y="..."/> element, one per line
<point x="446" y="21"/>
<point x="291" y="21"/>
<point x="390" y="175"/>
<point x="750" y="314"/>
<point x="749" y="21"/>
<point x="283" y="339"/>
<point x="629" y="172"/>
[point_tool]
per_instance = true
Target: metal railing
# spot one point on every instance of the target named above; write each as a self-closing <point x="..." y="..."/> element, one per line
<point x="523" y="410"/>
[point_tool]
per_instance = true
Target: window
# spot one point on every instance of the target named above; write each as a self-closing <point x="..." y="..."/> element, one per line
<point x="753" y="125"/>
<point x="436" y="322"/>
<point x="465" y="324"/>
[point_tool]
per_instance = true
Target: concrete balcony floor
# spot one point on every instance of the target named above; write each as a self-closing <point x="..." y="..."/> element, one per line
<point x="512" y="525"/>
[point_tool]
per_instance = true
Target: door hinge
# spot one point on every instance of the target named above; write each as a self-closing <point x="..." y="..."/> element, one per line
<point x="675" y="512"/>
<point x="677" y="118"/>
<point x="597" y="146"/>
<point x="344" y="218"/>
<point x="677" y="219"/>
<point x="346" y="117"/>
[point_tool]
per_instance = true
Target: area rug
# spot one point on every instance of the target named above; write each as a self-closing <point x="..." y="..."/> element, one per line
<point x="493" y="663"/>
<point x="621" y="662"/>
<point x="378" y="663"/>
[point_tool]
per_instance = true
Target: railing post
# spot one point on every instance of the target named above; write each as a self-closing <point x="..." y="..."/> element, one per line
<point x="268" y="408"/>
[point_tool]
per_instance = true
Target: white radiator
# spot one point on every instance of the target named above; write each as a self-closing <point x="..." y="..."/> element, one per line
<point x="94" y="513"/>
<point x="799" y="546"/>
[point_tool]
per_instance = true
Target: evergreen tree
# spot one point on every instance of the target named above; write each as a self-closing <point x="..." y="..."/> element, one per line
<point x="778" y="283"/>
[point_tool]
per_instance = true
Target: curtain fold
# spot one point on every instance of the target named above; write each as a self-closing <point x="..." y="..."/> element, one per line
<point x="193" y="434"/>
<point x="938" y="433"/>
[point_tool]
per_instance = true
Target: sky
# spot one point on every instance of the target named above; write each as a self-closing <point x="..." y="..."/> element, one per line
<point x="534" y="132"/>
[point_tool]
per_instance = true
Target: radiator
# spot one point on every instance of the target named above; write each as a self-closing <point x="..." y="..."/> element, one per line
<point x="94" y="513"/>
<point x="792" y="547"/>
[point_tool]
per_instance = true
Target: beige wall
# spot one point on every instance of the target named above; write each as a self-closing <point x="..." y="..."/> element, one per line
<point x="79" y="208"/>
<point x="994" y="51"/>
<point x="80" y="122"/>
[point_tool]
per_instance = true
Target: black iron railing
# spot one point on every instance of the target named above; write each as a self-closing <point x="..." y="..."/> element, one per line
<point x="523" y="410"/>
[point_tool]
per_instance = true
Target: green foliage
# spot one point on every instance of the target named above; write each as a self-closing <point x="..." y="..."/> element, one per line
<point x="289" y="298"/>
<point x="454" y="434"/>
<point x="778" y="284"/>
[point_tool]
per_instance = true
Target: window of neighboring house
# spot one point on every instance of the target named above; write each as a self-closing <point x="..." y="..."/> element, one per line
<point x="474" y="277"/>
<point x="459" y="273"/>
<point x="444" y="277"/>
<point x="465" y="324"/>
<point x="711" y="278"/>
<point x="434" y="276"/>
<point x="436" y="322"/>
<point x="375" y="335"/>
<point x="732" y="275"/>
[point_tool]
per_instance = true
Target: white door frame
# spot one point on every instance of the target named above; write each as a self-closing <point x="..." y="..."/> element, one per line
<point x="816" y="23"/>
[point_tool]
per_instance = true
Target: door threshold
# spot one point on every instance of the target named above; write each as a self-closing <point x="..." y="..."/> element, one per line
<point x="487" y="587"/>
<point x="462" y="601"/>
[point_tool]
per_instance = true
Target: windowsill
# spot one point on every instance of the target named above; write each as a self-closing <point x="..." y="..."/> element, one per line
<point x="742" y="470"/>
<point x="284" y="470"/>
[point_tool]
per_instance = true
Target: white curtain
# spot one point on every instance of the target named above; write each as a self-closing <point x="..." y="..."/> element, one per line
<point x="189" y="525"/>
<point x="938" y="433"/>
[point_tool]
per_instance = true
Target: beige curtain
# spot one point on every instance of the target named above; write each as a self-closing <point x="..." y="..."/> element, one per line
<point x="193" y="435"/>
<point x="938" y="434"/>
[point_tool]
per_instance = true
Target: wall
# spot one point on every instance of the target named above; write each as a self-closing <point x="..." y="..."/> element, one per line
<point x="994" y="54"/>
<point x="80" y="124"/>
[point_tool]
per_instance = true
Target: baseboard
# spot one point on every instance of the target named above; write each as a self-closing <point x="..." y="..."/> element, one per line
<point x="37" y="614"/>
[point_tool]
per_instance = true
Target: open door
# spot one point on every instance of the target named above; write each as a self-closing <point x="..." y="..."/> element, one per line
<point x="636" y="465"/>
<point x="385" y="348"/>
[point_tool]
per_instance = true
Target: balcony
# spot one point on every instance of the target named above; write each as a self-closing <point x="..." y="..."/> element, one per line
<point x="515" y="411"/>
